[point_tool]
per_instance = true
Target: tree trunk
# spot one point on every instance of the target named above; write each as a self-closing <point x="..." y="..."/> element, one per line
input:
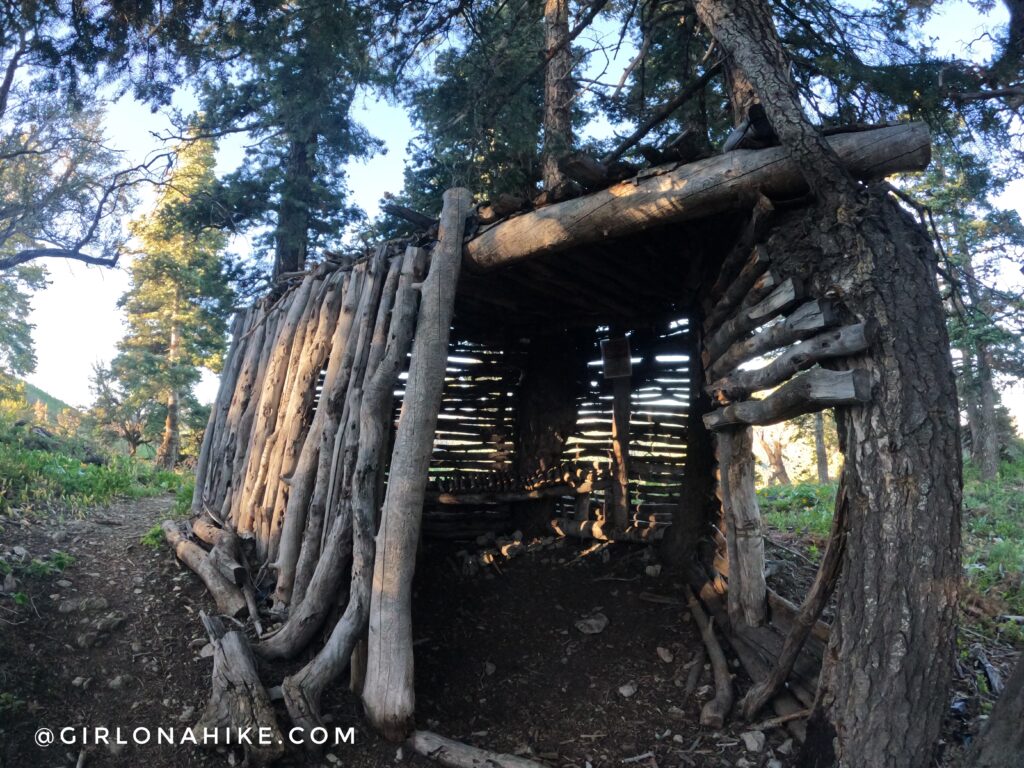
<point x="167" y="454"/>
<point x="292" y="234"/>
<point x="557" y="94"/>
<point x="1001" y="743"/>
<point x="969" y="397"/>
<point x="552" y="380"/>
<point x="772" y="447"/>
<point x="884" y="698"/>
<point x="987" y="448"/>
<point x="820" y="451"/>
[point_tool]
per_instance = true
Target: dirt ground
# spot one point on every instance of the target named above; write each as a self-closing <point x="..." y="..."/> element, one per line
<point x="115" y="640"/>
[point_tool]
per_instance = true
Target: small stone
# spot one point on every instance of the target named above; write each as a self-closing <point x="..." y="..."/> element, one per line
<point x="628" y="690"/>
<point x="592" y="625"/>
<point x="63" y="583"/>
<point x="744" y="763"/>
<point x="117" y="682"/>
<point x="754" y="741"/>
<point x="653" y="570"/>
<point x="206" y="651"/>
<point x="678" y="739"/>
<point x="676" y="713"/>
<point x="489" y="668"/>
<point x="785" y="748"/>
<point x="67" y="606"/>
<point x="774" y="763"/>
<point x="399" y="755"/>
<point x="115" y="749"/>
<point x="187" y="714"/>
<point x="10" y="584"/>
<point x="78" y="682"/>
<point x="20" y="552"/>
<point x="332" y="759"/>
<point x="665" y="655"/>
<point x="86" y="639"/>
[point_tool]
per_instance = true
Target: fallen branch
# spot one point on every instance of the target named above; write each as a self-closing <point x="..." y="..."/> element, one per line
<point x="455" y="754"/>
<point x="714" y="712"/>
<point x="227" y="596"/>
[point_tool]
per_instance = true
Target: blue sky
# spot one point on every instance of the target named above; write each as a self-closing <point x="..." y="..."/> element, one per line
<point x="77" y="320"/>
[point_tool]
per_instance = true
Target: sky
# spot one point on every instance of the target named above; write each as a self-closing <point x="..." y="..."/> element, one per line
<point x="77" y="321"/>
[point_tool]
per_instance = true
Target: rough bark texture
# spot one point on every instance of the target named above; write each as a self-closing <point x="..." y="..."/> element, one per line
<point x="820" y="452"/>
<point x="388" y="689"/>
<point x="557" y="93"/>
<point x="892" y="641"/>
<point x="1001" y="744"/>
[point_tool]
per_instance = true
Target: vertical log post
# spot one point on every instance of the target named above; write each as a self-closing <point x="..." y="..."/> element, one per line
<point x="747" y="588"/>
<point x="388" y="689"/>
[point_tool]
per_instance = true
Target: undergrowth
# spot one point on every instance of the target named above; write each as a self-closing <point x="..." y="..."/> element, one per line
<point x="993" y="539"/>
<point x="59" y="477"/>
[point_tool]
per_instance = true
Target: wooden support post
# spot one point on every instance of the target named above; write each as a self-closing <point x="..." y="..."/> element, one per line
<point x="388" y="690"/>
<point x="622" y="390"/>
<point x="747" y="600"/>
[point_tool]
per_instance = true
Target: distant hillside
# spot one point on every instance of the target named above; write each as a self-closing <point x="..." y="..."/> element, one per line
<point x="53" y="405"/>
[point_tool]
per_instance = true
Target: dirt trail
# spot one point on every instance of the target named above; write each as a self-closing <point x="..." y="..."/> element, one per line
<point x="115" y="641"/>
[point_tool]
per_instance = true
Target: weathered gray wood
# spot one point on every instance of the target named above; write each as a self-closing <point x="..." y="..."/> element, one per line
<point x="804" y="321"/>
<point x="761" y="216"/>
<point x="689" y="192"/>
<point x="303" y="689"/>
<point x="239" y="702"/>
<point x="807" y="617"/>
<point x="714" y="712"/>
<point x="747" y="598"/>
<point x="455" y="754"/>
<point x="316" y="448"/>
<point x="840" y="342"/>
<point x="388" y="692"/>
<point x="778" y="301"/>
<point x="739" y="287"/>
<point x="226" y="595"/>
<point x="810" y="391"/>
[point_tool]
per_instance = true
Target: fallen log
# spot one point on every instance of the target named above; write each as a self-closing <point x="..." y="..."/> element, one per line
<point x="239" y="702"/>
<point x="690" y="192"/>
<point x="455" y="754"/>
<point x="811" y="391"/>
<point x="227" y="596"/>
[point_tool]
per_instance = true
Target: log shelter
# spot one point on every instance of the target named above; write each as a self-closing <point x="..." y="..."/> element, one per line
<point x="582" y="369"/>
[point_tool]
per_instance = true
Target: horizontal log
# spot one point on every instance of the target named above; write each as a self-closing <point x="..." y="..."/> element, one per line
<point x="840" y="342"/>
<point x="778" y="301"/>
<point x="672" y="194"/>
<point x="806" y="320"/>
<point x="811" y="391"/>
<point x="739" y="287"/>
<point x="594" y="529"/>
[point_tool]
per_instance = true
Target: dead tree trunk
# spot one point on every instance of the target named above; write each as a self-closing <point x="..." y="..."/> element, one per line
<point x="388" y="691"/>
<point x="773" y="451"/>
<point x="885" y="697"/>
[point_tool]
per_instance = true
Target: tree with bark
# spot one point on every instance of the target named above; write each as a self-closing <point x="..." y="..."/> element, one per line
<point x="126" y="418"/>
<point x="179" y="299"/>
<point x="902" y="459"/>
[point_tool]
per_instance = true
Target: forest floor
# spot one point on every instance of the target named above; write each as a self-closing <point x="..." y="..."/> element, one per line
<point x="107" y="633"/>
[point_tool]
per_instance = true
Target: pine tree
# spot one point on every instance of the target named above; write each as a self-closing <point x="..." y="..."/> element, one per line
<point x="179" y="300"/>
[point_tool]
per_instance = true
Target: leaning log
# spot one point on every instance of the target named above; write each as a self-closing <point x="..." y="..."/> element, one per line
<point x="814" y="390"/>
<point x="715" y="711"/>
<point x="226" y="595"/>
<point x="238" y="702"/>
<point x="743" y="527"/>
<point x="388" y="691"/>
<point x="690" y="192"/>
